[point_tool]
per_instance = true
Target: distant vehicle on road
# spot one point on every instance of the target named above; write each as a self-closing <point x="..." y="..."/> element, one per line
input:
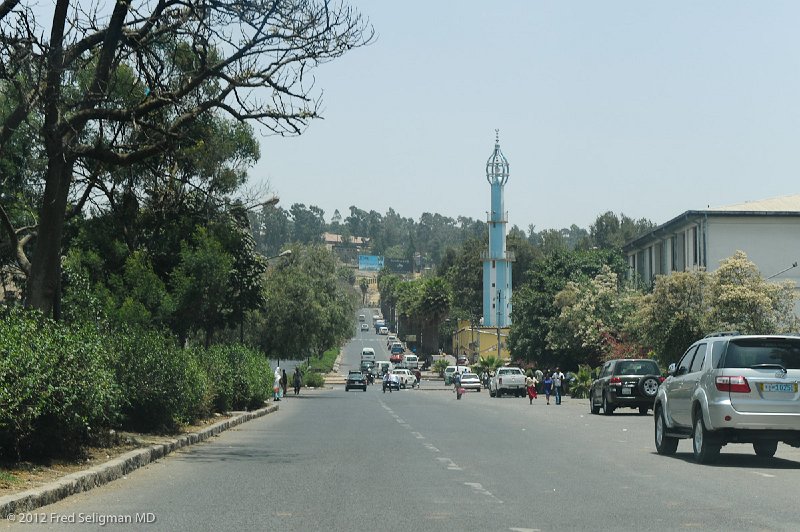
<point x="507" y="379"/>
<point x="625" y="383"/>
<point x="407" y="379"/>
<point x="383" y="330"/>
<point x="361" y="317"/>
<point x="470" y="381"/>
<point x="364" y="327"/>
<point x="355" y="379"/>
<point x="396" y="359"/>
<point x="368" y="354"/>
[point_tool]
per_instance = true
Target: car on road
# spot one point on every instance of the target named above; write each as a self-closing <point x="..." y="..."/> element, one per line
<point x="364" y="327"/>
<point x="407" y="379"/>
<point x="367" y="366"/>
<point x="731" y="388"/>
<point x="470" y="381"/>
<point x="625" y="383"/>
<point x="355" y="379"/>
<point x="396" y="359"/>
<point x="507" y="379"/>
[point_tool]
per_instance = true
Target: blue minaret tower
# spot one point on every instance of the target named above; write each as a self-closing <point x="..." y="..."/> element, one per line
<point x="497" y="261"/>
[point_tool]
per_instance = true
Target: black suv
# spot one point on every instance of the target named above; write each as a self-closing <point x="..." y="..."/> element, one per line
<point x="625" y="383"/>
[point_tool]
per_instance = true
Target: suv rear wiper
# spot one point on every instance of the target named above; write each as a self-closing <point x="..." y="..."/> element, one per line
<point x="768" y="366"/>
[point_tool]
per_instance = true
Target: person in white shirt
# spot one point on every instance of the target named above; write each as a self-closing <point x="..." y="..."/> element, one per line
<point x="558" y="379"/>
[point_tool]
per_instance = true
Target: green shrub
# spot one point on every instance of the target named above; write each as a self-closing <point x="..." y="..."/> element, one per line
<point x="163" y="385"/>
<point x="579" y="389"/>
<point x="220" y="376"/>
<point x="240" y="378"/>
<point x="312" y="379"/>
<point x="439" y="366"/>
<point x="57" y="388"/>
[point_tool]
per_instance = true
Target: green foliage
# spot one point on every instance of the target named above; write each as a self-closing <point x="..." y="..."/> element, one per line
<point x="579" y="388"/>
<point x="312" y="379"/>
<point x="439" y="366"/>
<point x="488" y="363"/>
<point x="240" y="378"/>
<point x="163" y="385"/>
<point x="534" y="302"/>
<point x="592" y="318"/>
<point x="201" y="285"/>
<point x="57" y="389"/>
<point x="324" y="364"/>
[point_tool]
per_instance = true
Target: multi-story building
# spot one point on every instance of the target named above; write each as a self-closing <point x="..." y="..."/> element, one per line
<point x="768" y="231"/>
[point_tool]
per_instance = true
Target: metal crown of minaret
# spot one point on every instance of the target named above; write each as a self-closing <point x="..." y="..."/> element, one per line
<point x="497" y="168"/>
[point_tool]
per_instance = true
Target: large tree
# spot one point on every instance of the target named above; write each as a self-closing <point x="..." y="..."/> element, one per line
<point x="120" y="87"/>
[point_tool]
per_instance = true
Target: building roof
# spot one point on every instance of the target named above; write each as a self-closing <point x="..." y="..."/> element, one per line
<point x="334" y="239"/>
<point x="789" y="203"/>
<point x="780" y="206"/>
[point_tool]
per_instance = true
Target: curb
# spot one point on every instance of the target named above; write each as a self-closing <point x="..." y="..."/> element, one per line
<point x="118" y="467"/>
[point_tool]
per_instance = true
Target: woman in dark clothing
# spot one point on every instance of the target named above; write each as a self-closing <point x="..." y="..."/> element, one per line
<point x="284" y="382"/>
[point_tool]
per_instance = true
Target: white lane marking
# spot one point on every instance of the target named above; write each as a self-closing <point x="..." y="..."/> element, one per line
<point x="478" y="488"/>
<point x="452" y="466"/>
<point x="526" y="529"/>
<point x="431" y="448"/>
<point x="763" y="474"/>
<point x="418" y="436"/>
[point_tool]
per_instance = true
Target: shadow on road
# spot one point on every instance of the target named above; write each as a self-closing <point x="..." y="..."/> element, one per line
<point x="741" y="460"/>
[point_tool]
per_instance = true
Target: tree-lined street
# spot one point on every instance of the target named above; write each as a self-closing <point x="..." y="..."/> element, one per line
<point x="420" y="459"/>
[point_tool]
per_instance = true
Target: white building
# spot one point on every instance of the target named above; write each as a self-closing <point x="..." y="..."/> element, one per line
<point x="768" y="231"/>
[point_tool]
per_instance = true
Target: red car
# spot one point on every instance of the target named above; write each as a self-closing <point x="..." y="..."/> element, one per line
<point x="396" y="358"/>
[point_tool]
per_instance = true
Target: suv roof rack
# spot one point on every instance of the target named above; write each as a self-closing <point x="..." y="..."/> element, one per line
<point x="722" y="333"/>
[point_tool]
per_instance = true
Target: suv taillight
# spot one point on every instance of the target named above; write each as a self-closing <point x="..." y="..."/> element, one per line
<point x="615" y="381"/>
<point x="500" y="380"/>
<point x="732" y="384"/>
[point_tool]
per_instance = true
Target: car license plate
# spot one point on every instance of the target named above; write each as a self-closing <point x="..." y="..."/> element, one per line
<point x="790" y="387"/>
<point x="626" y="391"/>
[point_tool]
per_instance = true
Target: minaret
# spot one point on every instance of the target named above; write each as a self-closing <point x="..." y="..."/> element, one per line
<point x="497" y="261"/>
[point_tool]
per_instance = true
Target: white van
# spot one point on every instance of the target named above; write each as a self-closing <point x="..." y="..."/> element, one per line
<point x="411" y="361"/>
<point x="383" y="330"/>
<point x="383" y="366"/>
<point x="368" y="354"/>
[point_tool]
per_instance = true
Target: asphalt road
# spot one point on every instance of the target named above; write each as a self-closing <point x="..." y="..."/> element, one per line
<point x="420" y="459"/>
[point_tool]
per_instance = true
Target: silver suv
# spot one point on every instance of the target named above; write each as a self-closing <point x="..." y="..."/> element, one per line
<point x="729" y="388"/>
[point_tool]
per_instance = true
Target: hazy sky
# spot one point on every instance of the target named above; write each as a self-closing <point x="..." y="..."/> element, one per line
<point x="642" y="108"/>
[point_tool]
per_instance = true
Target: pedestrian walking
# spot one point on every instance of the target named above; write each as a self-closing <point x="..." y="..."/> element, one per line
<point x="530" y="384"/>
<point x="276" y="384"/>
<point x="284" y="382"/>
<point x="297" y="381"/>
<point x="548" y="385"/>
<point x="558" y="381"/>
<point x="418" y="376"/>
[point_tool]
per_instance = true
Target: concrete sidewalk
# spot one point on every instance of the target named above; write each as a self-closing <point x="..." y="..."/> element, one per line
<point x="116" y="468"/>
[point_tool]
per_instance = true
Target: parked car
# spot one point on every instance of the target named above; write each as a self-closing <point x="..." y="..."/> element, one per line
<point x="470" y="381"/>
<point x="730" y="388"/>
<point x="407" y="379"/>
<point x="355" y="379"/>
<point x="625" y="383"/>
